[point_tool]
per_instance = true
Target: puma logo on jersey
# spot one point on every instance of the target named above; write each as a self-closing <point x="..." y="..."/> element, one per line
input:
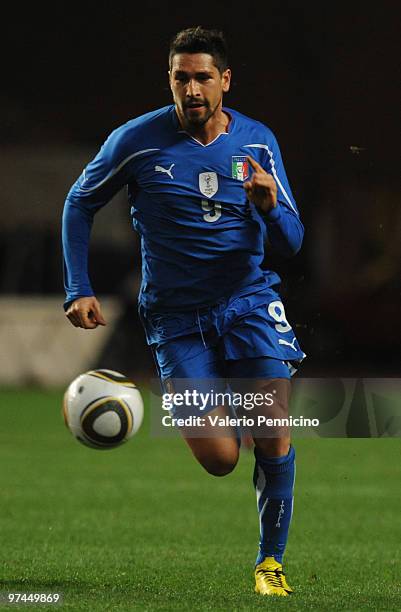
<point x="161" y="169"/>
<point x="291" y="344"/>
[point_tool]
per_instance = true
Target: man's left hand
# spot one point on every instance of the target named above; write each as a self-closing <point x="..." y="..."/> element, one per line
<point x="262" y="188"/>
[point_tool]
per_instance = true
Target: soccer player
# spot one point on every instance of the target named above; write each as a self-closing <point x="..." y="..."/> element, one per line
<point x="207" y="189"/>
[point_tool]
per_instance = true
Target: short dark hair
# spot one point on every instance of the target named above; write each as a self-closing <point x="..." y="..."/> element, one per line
<point x="200" y="40"/>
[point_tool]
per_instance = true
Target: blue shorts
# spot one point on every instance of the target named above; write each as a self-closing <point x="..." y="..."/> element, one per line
<point x="243" y="336"/>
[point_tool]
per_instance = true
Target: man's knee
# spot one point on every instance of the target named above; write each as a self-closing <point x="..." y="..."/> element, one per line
<point x="219" y="467"/>
<point x="218" y="460"/>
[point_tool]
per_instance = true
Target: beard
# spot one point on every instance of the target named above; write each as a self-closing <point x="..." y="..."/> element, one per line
<point x="198" y="119"/>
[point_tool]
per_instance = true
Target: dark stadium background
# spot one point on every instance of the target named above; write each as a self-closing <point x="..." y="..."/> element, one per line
<point x="322" y="76"/>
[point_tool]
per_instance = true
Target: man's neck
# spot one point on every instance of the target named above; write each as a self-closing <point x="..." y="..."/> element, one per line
<point x="217" y="124"/>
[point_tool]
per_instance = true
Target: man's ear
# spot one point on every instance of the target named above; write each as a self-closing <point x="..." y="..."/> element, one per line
<point x="226" y="80"/>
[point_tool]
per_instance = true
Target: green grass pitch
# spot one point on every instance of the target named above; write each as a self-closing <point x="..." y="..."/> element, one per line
<point x="143" y="527"/>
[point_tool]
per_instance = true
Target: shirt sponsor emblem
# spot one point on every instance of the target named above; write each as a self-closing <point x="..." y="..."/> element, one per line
<point x="239" y="167"/>
<point x="165" y="170"/>
<point x="208" y="183"/>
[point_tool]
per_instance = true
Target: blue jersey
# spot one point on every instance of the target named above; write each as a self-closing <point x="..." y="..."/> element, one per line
<point x="201" y="239"/>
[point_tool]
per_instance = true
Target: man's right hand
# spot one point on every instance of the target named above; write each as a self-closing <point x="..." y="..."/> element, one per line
<point x="85" y="312"/>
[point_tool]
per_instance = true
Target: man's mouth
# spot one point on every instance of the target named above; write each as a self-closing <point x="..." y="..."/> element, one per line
<point x="194" y="105"/>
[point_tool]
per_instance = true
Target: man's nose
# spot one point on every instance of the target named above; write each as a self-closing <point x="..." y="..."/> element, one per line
<point x="192" y="88"/>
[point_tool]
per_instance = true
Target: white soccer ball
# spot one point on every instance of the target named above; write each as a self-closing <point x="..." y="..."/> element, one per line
<point x="102" y="409"/>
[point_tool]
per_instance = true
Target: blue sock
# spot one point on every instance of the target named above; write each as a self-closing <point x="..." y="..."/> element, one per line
<point x="274" y="483"/>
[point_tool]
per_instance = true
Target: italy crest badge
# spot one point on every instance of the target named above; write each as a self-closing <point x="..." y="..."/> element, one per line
<point x="240" y="167"/>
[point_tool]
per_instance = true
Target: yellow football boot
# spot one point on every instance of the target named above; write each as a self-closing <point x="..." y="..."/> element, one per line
<point x="270" y="579"/>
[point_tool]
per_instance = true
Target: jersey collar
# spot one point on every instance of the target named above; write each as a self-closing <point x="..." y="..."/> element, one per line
<point x="179" y="130"/>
